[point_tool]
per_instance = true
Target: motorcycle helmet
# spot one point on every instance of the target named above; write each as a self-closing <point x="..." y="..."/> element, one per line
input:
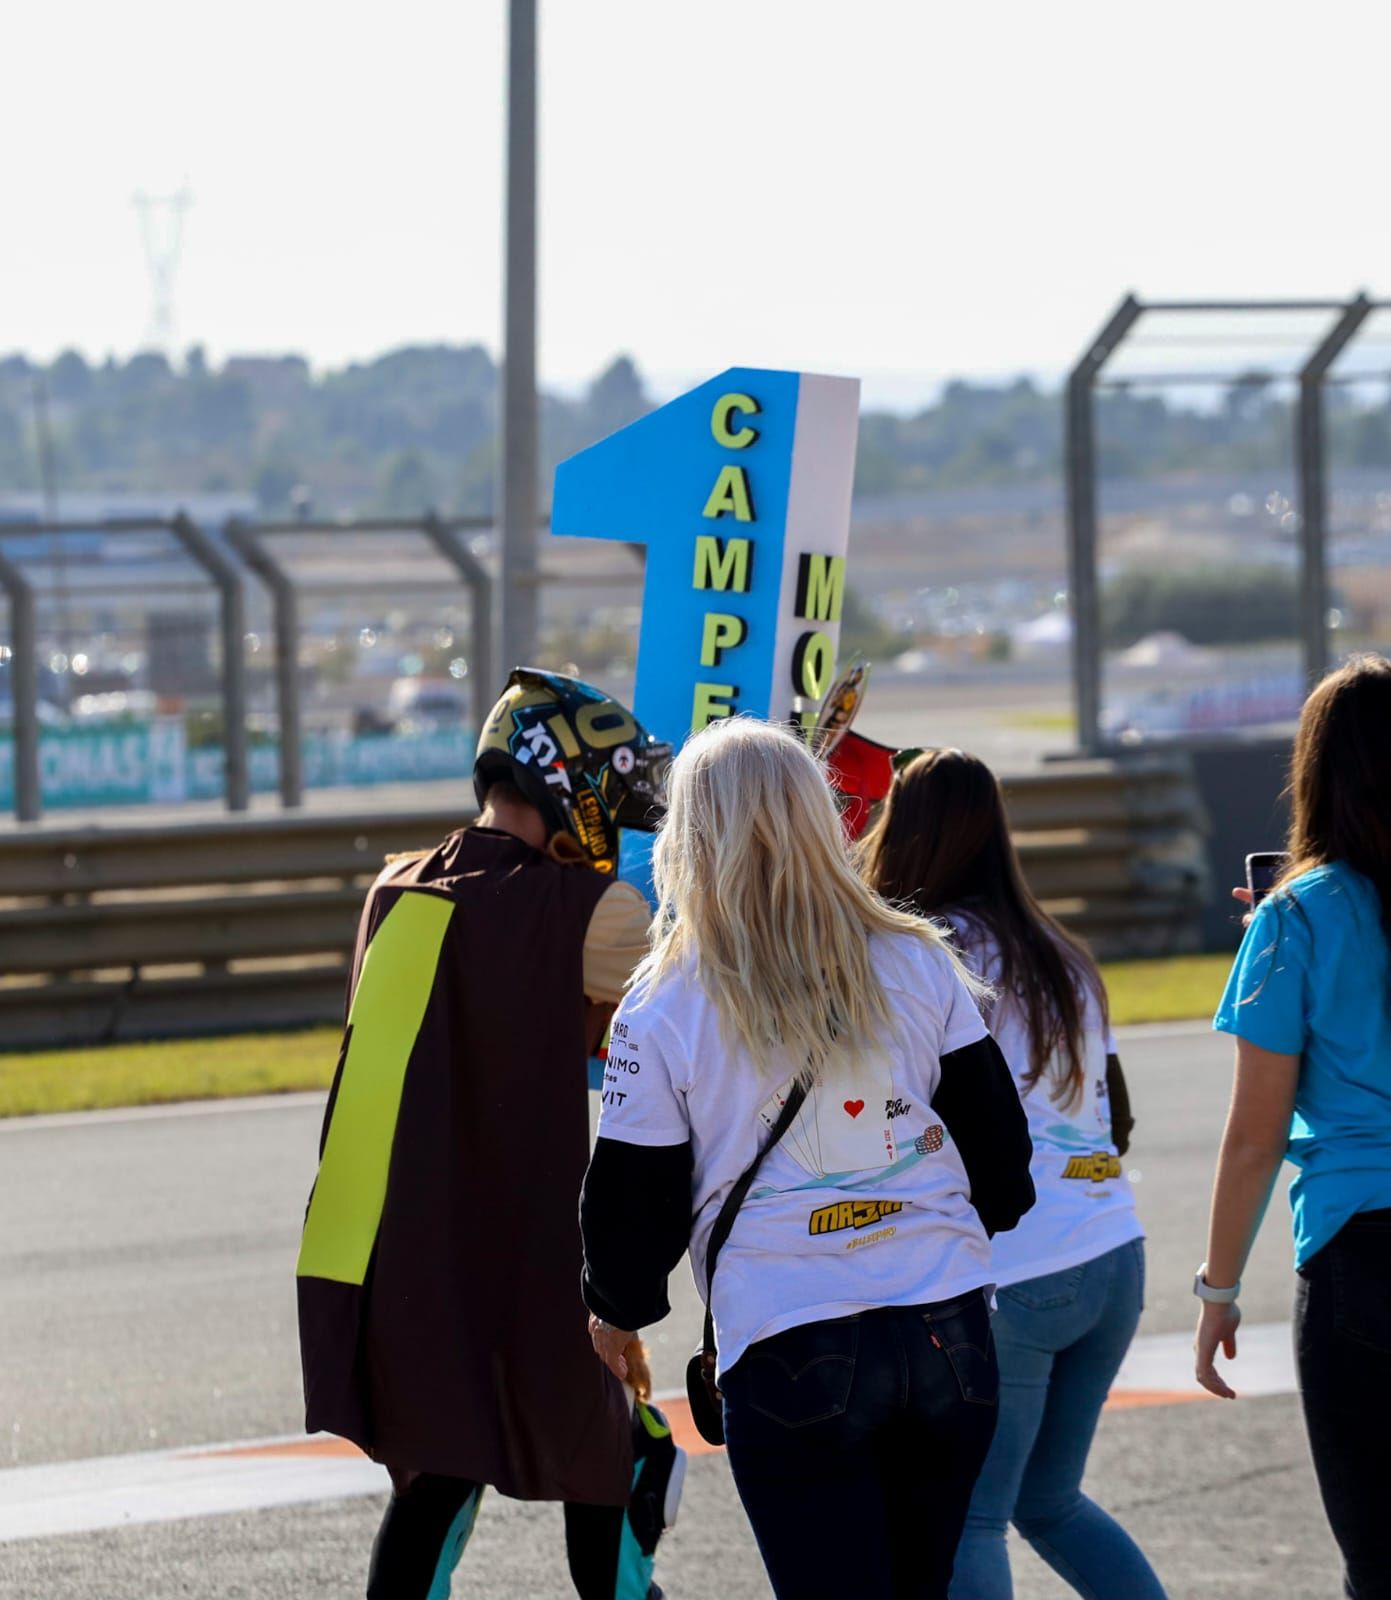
<point x="579" y="756"/>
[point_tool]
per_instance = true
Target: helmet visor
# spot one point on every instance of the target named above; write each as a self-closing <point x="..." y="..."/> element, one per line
<point x="644" y="804"/>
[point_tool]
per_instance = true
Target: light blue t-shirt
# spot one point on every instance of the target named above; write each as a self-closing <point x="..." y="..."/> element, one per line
<point x="1313" y="979"/>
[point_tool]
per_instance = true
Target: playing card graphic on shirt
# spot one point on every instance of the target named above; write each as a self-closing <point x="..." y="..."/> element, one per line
<point x="797" y="1142"/>
<point x="841" y="1126"/>
<point x="852" y="1124"/>
<point x="803" y="1238"/>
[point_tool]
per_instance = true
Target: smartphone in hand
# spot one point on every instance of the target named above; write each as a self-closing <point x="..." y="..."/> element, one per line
<point x="1263" y="868"/>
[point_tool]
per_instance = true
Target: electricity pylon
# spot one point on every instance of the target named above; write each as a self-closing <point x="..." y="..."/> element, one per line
<point x="162" y="229"/>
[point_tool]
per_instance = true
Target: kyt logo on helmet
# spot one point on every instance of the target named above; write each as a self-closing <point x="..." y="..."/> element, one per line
<point x="579" y="756"/>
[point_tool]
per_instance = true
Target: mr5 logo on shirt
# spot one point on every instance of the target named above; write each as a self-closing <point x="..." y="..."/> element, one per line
<point x="851" y="1214"/>
<point x="1095" y="1168"/>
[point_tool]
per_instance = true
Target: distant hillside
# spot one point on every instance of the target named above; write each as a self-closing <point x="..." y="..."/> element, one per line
<point x="417" y="427"/>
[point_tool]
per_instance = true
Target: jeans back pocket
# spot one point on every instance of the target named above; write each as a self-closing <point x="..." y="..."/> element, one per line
<point x="1052" y="1292"/>
<point x="964" y="1338"/>
<point x="803" y="1375"/>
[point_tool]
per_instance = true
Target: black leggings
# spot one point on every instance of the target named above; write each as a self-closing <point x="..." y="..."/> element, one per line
<point x="427" y="1525"/>
<point x="1342" y="1323"/>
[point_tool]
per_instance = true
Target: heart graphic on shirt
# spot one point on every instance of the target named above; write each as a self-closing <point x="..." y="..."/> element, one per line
<point x="854" y="1107"/>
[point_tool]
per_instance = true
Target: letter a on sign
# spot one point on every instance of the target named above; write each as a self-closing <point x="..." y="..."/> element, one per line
<point x="740" y="490"/>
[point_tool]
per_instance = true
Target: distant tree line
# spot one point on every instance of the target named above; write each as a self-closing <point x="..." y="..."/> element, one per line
<point x="981" y="434"/>
<point x="417" y="427"/>
<point x="414" y="429"/>
<point x="1207" y="605"/>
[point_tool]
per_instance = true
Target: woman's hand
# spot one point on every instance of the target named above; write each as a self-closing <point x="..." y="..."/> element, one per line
<point x="1248" y="900"/>
<point x="609" y="1344"/>
<point x="1217" y="1325"/>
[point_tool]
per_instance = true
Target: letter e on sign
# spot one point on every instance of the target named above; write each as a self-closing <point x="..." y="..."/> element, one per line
<point x="711" y="702"/>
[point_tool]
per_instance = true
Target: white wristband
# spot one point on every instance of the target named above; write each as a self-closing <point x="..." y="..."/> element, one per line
<point x="1205" y="1291"/>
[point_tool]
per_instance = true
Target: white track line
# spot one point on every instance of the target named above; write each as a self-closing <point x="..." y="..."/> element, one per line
<point x="209" y="1480"/>
<point x="1164" y="1362"/>
<point x="169" y="1485"/>
<point x="1165" y="1030"/>
<point x="295" y="1100"/>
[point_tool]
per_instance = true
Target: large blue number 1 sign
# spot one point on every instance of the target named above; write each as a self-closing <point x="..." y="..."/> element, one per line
<point x="740" y="490"/>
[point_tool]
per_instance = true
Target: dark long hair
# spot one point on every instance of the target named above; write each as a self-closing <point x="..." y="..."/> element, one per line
<point x="1340" y="777"/>
<point x="940" y="844"/>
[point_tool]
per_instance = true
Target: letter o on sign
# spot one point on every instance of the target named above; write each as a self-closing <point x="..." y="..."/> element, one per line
<point x="813" y="662"/>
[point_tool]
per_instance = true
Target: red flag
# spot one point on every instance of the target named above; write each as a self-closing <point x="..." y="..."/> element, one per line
<point x="862" y="772"/>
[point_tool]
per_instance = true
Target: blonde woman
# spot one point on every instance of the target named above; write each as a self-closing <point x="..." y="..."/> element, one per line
<point x="850" y="1303"/>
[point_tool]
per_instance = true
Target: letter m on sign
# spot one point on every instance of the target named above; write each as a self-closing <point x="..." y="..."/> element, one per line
<point x="722" y="563"/>
<point x="820" y="587"/>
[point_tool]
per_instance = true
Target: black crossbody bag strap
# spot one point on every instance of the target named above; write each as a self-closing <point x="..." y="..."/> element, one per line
<point x="724" y="1223"/>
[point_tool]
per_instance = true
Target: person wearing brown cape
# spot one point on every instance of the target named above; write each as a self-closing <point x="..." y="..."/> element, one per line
<point x="441" y="1325"/>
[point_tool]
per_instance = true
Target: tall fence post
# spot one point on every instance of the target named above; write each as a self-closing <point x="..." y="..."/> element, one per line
<point x="1311" y="465"/>
<point x="455" y="550"/>
<point x="1079" y="464"/>
<point x="24" y="683"/>
<point x="232" y="618"/>
<point x="285" y="623"/>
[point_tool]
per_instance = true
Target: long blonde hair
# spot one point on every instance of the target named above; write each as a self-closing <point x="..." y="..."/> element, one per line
<point x="758" y="896"/>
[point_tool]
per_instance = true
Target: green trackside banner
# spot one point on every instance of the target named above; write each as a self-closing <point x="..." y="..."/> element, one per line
<point x="151" y="762"/>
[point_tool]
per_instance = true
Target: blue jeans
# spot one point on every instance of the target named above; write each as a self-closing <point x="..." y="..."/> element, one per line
<point x="1060" y="1340"/>
<point x="854" y="1444"/>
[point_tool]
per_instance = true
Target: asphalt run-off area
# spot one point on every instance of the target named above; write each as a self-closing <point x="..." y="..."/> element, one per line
<point x="150" y="1411"/>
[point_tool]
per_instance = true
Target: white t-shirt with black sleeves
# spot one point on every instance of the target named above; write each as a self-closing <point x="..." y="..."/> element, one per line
<point x="865" y="1201"/>
<point x="1085" y="1205"/>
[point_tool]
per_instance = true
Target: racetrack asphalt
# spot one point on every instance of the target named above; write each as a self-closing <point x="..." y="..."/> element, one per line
<point x="147" y="1301"/>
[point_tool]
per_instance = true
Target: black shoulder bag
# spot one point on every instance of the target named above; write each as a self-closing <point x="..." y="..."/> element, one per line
<point x="702" y="1391"/>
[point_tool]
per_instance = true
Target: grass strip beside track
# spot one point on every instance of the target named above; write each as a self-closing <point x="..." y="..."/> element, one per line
<point x="173" y="1069"/>
<point x="1167" y="990"/>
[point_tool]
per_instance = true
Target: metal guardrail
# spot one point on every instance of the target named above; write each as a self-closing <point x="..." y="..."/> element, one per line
<point x="134" y="930"/>
<point x="140" y="930"/>
<point x="122" y="857"/>
<point x="1116" y="849"/>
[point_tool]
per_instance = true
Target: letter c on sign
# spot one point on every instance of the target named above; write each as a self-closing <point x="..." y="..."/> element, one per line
<point x="725" y="406"/>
